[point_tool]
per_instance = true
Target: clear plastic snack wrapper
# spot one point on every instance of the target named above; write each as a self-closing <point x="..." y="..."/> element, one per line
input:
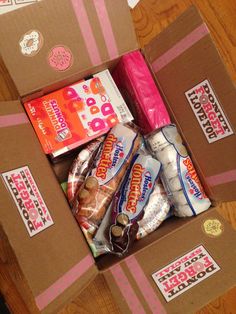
<point x="81" y="166"/>
<point x="179" y="175"/>
<point x="128" y="206"/>
<point x="155" y="212"/>
<point x="95" y="194"/>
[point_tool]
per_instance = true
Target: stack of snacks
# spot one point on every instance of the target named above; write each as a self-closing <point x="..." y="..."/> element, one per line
<point x="94" y="196"/>
<point x="179" y="176"/>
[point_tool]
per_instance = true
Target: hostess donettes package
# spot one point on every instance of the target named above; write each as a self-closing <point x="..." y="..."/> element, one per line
<point x="179" y="175"/>
<point x="138" y="207"/>
<point x="92" y="199"/>
<point x="98" y="182"/>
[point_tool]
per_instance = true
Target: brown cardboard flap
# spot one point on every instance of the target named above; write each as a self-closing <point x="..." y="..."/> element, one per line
<point x="200" y="95"/>
<point x="52" y="40"/>
<point x="192" y="264"/>
<point x="48" y="243"/>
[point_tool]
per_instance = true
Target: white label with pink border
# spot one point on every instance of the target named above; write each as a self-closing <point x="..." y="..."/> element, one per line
<point x="208" y="111"/>
<point x="28" y="200"/>
<point x="185" y="272"/>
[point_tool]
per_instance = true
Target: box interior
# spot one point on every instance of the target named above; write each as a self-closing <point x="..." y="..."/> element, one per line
<point x="61" y="169"/>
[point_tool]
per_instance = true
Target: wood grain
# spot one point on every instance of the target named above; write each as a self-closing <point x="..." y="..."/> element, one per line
<point x="149" y="17"/>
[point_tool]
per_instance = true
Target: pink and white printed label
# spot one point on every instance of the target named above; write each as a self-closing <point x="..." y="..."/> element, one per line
<point x="10" y="5"/>
<point x="208" y="112"/>
<point x="185" y="272"/>
<point x="28" y="200"/>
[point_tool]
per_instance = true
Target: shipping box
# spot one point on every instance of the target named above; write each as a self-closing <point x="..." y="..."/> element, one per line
<point x="186" y="262"/>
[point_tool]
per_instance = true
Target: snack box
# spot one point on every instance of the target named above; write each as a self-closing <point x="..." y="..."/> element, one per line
<point x="78" y="113"/>
<point x="186" y="268"/>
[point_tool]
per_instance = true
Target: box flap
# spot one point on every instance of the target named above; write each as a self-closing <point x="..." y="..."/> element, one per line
<point x="200" y="95"/>
<point x="52" y="40"/>
<point x="178" y="278"/>
<point x="48" y="243"/>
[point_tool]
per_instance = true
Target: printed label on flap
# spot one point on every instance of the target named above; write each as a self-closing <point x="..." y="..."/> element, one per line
<point x="28" y="200"/>
<point x="208" y="112"/>
<point x="185" y="272"/>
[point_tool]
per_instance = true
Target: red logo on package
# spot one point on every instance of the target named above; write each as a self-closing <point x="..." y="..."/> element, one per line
<point x="28" y="200"/>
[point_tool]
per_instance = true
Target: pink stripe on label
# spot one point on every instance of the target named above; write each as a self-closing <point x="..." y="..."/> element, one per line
<point x="126" y="289"/>
<point x="106" y="27"/>
<point x="64" y="282"/>
<point x="184" y="44"/>
<point x="13" y="119"/>
<point x="144" y="285"/>
<point x="221" y="178"/>
<point x="86" y="30"/>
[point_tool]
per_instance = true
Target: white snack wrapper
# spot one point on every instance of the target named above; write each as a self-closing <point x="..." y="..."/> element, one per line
<point x="179" y="176"/>
<point x="167" y="155"/>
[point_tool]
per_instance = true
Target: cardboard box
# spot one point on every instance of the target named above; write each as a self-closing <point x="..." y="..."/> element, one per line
<point x="186" y="268"/>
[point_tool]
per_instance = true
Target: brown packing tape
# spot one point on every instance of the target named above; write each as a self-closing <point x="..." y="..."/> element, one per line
<point x="51" y="258"/>
<point x="131" y="275"/>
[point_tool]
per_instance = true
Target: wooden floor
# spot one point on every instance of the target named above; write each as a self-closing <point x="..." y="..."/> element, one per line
<point x="150" y="17"/>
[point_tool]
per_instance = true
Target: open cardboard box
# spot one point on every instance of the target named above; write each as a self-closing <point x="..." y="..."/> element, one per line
<point x="56" y="263"/>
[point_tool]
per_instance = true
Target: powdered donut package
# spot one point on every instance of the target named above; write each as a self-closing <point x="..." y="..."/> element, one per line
<point x="179" y="176"/>
<point x="137" y="86"/>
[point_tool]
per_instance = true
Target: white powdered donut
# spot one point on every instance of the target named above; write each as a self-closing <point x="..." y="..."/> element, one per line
<point x="170" y="171"/>
<point x="174" y="184"/>
<point x="179" y="198"/>
<point x="183" y="211"/>
<point x="167" y="155"/>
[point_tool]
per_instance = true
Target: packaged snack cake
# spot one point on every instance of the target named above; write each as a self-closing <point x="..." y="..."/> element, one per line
<point x="95" y="194"/>
<point x="179" y="175"/>
<point x="137" y="86"/>
<point x="76" y="114"/>
<point x="138" y="207"/>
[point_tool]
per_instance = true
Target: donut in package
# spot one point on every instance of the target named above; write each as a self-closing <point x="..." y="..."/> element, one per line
<point x="132" y="210"/>
<point x="81" y="166"/>
<point x="95" y="194"/>
<point x="179" y="175"/>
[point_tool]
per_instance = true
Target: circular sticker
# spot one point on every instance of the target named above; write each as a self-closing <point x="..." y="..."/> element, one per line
<point x="213" y="227"/>
<point x="30" y="43"/>
<point x="60" y="58"/>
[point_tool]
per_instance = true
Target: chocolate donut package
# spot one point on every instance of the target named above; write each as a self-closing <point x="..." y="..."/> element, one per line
<point x="127" y="209"/>
<point x="94" y="196"/>
<point x="179" y="175"/>
<point x="80" y="167"/>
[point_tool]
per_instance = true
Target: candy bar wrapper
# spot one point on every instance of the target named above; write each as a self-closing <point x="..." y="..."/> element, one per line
<point x="81" y="167"/>
<point x="179" y="176"/>
<point x="137" y="86"/>
<point x="95" y="194"/>
<point x="129" y="203"/>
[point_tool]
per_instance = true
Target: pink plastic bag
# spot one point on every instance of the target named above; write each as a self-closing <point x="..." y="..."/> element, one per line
<point x="137" y="86"/>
